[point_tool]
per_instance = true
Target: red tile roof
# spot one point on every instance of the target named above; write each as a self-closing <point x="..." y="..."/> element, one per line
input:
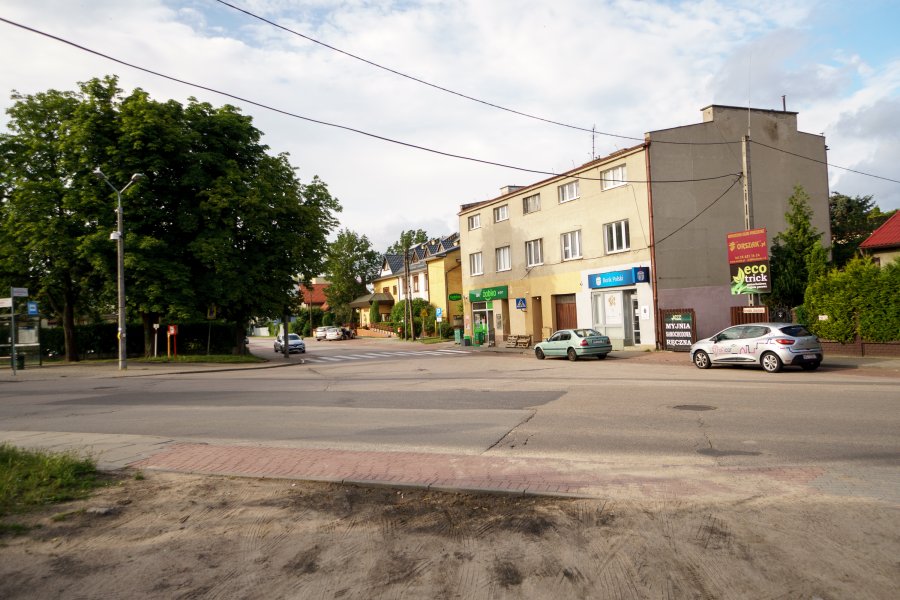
<point x="886" y="236"/>
<point x="314" y="295"/>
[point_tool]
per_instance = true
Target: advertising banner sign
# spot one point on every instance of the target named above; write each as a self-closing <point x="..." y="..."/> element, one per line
<point x="488" y="294"/>
<point x="619" y="278"/>
<point x="747" y="246"/>
<point x="751" y="278"/>
<point x="679" y="331"/>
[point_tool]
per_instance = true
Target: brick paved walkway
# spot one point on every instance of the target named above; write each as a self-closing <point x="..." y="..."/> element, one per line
<point x="539" y="476"/>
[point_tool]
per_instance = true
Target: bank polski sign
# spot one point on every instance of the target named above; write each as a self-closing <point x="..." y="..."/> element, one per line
<point x="619" y="278"/>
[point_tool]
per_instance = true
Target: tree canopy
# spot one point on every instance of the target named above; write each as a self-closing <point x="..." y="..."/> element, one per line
<point x="350" y="264"/>
<point x="408" y="239"/>
<point x="852" y="221"/>
<point x="218" y="222"/>
<point x="796" y="252"/>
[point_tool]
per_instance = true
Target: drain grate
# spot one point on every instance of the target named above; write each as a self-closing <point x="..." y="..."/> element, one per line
<point x="694" y="407"/>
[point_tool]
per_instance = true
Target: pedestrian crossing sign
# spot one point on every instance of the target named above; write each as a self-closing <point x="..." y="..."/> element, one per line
<point x="520" y="303"/>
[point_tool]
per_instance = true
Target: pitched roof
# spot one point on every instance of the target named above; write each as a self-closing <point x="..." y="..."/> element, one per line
<point x="314" y="293"/>
<point x="886" y="236"/>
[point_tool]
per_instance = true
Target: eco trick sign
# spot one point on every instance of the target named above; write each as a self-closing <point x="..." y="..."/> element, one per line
<point x="751" y="278"/>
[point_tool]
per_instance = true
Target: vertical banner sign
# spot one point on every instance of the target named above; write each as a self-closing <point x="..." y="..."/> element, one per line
<point x="679" y="331"/>
<point x="748" y="258"/>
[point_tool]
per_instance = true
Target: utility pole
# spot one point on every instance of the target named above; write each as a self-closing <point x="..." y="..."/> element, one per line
<point x="748" y="193"/>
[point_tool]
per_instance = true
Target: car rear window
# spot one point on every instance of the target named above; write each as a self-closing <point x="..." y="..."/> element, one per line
<point x="796" y="330"/>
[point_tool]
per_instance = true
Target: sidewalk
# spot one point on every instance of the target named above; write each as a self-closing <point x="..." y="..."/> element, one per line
<point x="614" y="477"/>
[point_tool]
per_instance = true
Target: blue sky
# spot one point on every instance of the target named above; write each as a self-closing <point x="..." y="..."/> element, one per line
<point x="626" y="67"/>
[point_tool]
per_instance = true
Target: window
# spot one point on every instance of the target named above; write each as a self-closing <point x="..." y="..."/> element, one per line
<point x="534" y="253"/>
<point x="475" y="267"/>
<point x="531" y="204"/>
<point x="395" y="290"/>
<point x="617" y="239"/>
<point x="415" y="284"/>
<point x="384" y="290"/>
<point x="501" y="213"/>
<point x="612" y="178"/>
<point x="571" y="245"/>
<point x="474" y="222"/>
<point x="426" y="283"/>
<point x="502" y="257"/>
<point x="568" y="191"/>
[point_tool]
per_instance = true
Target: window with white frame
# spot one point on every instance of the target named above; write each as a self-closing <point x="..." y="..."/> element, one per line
<point x="531" y="204"/>
<point x="502" y="257"/>
<point x="612" y="178"/>
<point x="415" y="284"/>
<point x="501" y="213"/>
<point x="571" y="245"/>
<point x="534" y="252"/>
<point x="475" y="265"/>
<point x="617" y="238"/>
<point x="474" y="222"/>
<point x="568" y="191"/>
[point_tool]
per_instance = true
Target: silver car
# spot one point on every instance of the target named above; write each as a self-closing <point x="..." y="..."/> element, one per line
<point x="295" y="344"/>
<point x="574" y="344"/>
<point x="770" y="345"/>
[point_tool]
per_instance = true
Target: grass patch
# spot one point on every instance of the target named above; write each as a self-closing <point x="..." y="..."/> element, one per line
<point x="434" y="340"/>
<point x="30" y="479"/>
<point x="204" y="358"/>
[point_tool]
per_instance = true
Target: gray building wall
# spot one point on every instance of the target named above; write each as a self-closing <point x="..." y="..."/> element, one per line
<point x="691" y="259"/>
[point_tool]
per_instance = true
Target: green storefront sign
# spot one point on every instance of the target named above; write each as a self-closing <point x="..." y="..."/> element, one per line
<point x="454" y="297"/>
<point x="488" y="294"/>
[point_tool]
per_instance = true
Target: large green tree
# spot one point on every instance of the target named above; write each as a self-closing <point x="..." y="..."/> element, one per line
<point x="852" y="221"/>
<point x="51" y="221"/>
<point x="218" y="222"/>
<point x="796" y="252"/>
<point x="351" y="263"/>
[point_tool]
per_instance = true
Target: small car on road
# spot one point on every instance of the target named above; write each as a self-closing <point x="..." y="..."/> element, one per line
<point x="574" y="344"/>
<point x="334" y="333"/>
<point x="320" y="333"/>
<point x="769" y="345"/>
<point x="296" y="345"/>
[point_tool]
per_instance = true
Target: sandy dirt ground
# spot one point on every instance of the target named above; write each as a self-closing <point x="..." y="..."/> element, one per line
<point x="186" y="536"/>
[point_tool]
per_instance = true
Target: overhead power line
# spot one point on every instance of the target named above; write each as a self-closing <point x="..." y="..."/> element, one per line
<point x="823" y="162"/>
<point x="325" y="123"/>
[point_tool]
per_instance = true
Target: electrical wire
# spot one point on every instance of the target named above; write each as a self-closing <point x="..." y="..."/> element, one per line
<point x="822" y="162"/>
<point x="328" y="124"/>
<point x="695" y="217"/>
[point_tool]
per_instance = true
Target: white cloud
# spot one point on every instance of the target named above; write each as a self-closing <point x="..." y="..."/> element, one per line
<point x="625" y="67"/>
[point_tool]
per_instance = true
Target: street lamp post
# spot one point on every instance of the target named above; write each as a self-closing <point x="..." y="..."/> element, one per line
<point x="119" y="236"/>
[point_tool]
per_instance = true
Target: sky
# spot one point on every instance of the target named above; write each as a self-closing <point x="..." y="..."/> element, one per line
<point x="619" y="67"/>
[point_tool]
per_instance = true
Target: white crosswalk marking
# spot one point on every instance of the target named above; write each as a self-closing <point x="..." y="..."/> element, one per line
<point x="377" y="355"/>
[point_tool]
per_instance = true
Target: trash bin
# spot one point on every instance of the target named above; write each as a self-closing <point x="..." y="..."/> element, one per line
<point x="20" y="361"/>
<point x="479" y="338"/>
<point x="467" y="341"/>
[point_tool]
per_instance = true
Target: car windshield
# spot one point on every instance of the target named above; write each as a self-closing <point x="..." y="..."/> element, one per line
<point x="293" y="337"/>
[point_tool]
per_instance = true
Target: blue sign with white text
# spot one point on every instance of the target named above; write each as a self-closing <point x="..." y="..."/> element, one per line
<point x="32" y="309"/>
<point x="619" y="278"/>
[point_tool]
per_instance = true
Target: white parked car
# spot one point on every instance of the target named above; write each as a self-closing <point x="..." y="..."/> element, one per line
<point x="334" y="333"/>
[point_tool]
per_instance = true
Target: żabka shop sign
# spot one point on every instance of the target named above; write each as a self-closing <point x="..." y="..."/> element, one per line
<point x="488" y="294"/>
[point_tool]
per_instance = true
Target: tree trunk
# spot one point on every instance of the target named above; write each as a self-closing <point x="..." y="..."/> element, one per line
<point x="148" y="319"/>
<point x="69" y="330"/>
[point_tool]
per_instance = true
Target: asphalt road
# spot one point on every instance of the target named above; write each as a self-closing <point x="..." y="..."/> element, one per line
<point x="411" y="397"/>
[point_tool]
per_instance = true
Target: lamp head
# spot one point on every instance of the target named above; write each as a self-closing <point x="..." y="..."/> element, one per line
<point x="98" y="173"/>
<point x="137" y="176"/>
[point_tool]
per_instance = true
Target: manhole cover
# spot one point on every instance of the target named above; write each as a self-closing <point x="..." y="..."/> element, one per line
<point x="694" y="407"/>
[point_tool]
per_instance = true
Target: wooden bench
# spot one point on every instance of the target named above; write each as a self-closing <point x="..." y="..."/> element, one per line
<point x="518" y="341"/>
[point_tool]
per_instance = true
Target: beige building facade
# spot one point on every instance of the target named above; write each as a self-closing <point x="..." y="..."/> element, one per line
<point x="610" y="243"/>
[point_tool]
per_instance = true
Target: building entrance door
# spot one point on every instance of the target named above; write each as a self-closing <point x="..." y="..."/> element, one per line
<point x="482" y="323"/>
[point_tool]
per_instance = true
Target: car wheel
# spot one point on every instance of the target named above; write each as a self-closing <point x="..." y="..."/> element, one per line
<point x="810" y="366"/>
<point x="771" y="363"/>
<point x="539" y="353"/>
<point x="571" y="354"/>
<point x="601" y="356"/>
<point x="701" y="360"/>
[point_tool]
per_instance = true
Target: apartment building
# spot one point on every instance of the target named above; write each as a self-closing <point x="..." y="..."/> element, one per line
<point x="610" y="243"/>
<point x="433" y="275"/>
